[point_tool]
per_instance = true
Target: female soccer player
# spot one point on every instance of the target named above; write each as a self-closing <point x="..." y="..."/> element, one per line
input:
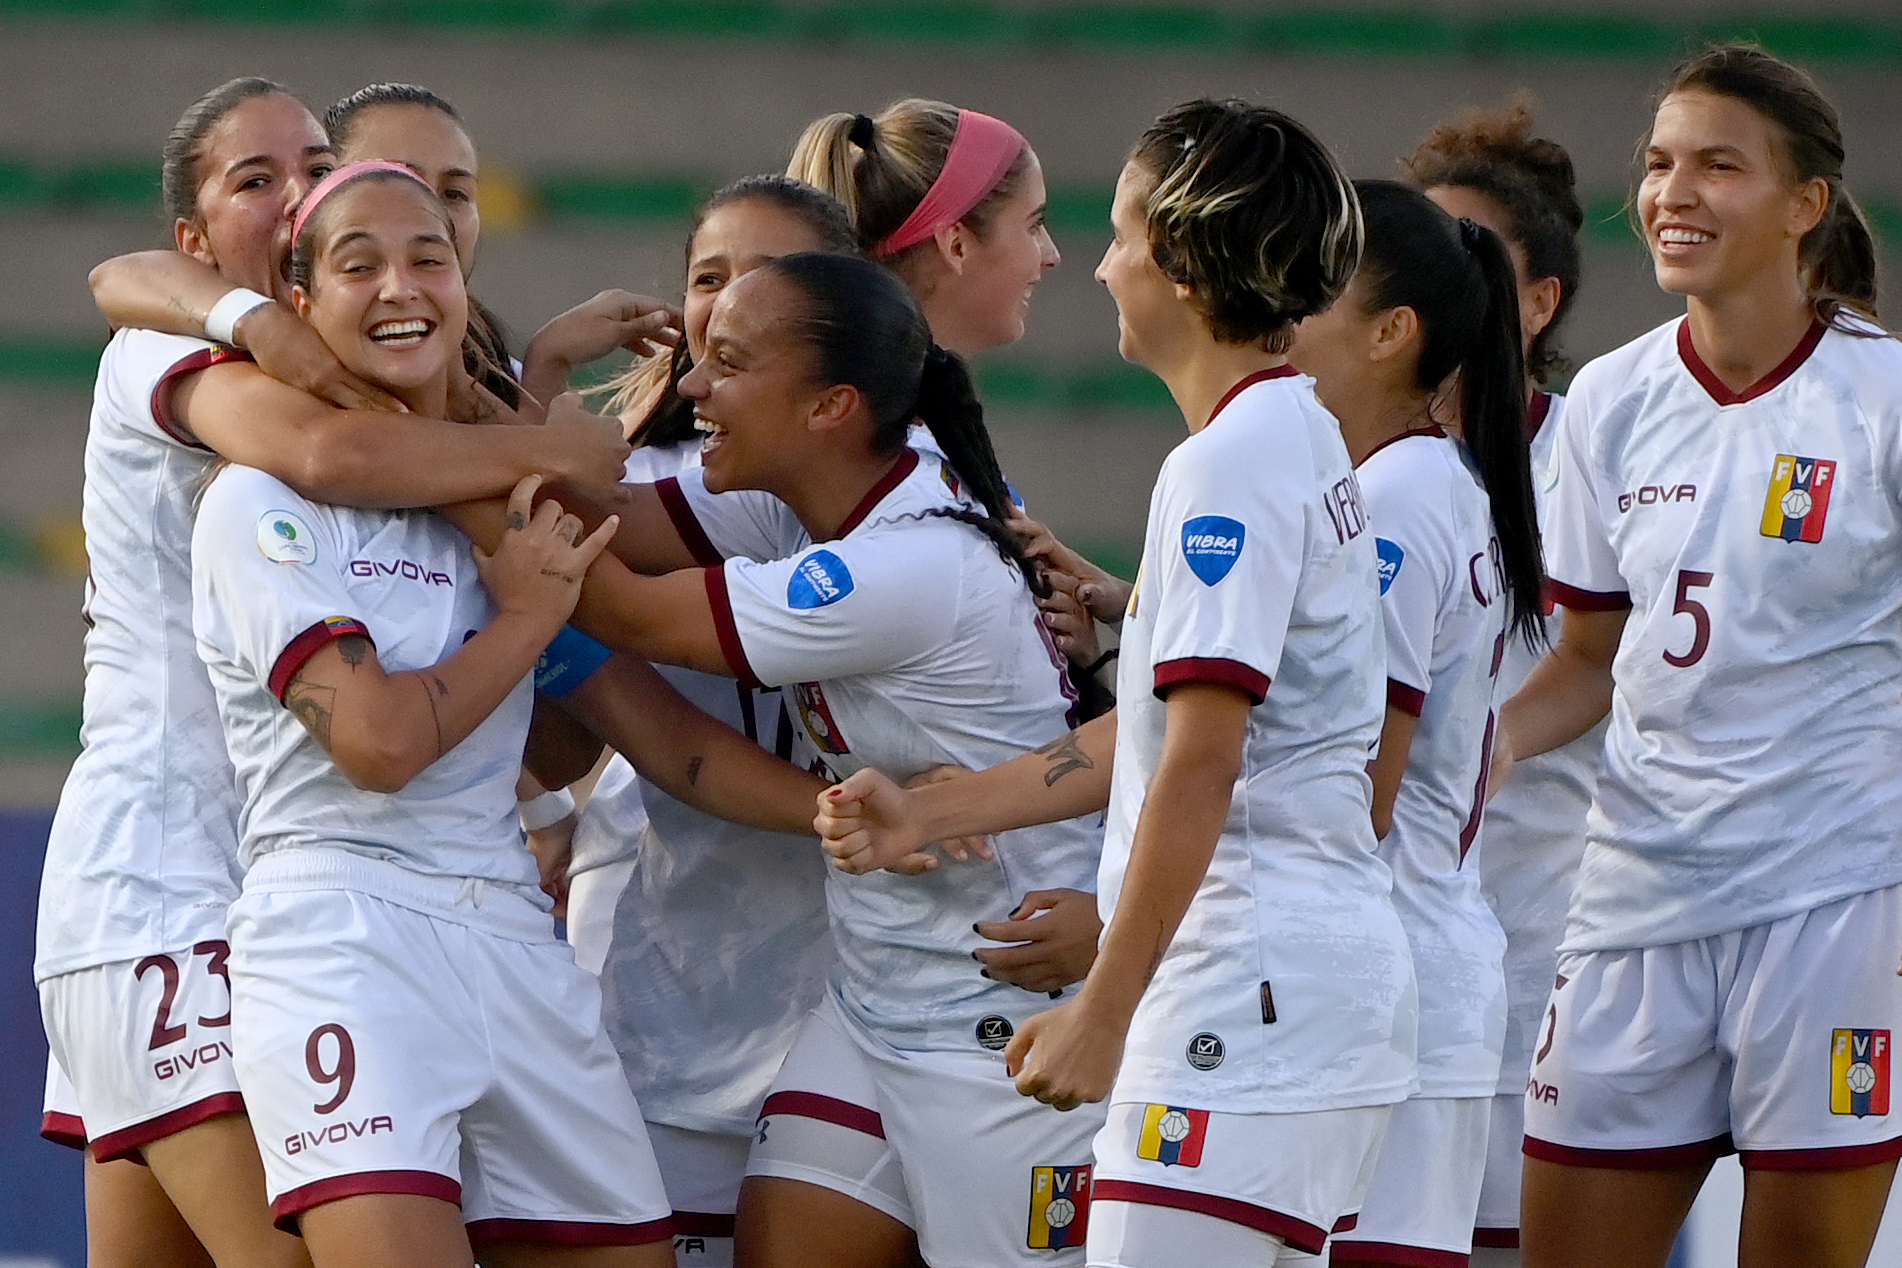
<point x="1490" y="168"/>
<point x="1251" y="1013"/>
<point x="1460" y="577"/>
<point x="383" y="862"/>
<point x="142" y="860"/>
<point x="951" y="200"/>
<point x="702" y="1007"/>
<point x="402" y="123"/>
<point x="1723" y="539"/>
<point x="892" y="602"/>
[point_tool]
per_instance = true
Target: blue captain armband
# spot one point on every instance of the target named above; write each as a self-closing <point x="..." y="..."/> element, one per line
<point x="570" y="660"/>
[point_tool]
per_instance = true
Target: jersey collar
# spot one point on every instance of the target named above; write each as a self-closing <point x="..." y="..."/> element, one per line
<point x="1537" y="412"/>
<point x="1708" y="380"/>
<point x="1435" y="431"/>
<point x="1282" y="371"/>
<point x="906" y="464"/>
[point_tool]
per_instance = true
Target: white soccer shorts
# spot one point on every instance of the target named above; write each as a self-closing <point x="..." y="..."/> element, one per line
<point x="989" y="1177"/>
<point x="146" y="1045"/>
<point x="1178" y="1184"/>
<point x="1420" y="1207"/>
<point x="446" y="1046"/>
<point x="1776" y="1040"/>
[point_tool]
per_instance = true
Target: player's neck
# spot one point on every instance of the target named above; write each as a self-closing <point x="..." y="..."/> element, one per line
<point x="1371" y="414"/>
<point x="828" y="493"/>
<point x="1744" y="335"/>
<point x="1209" y="371"/>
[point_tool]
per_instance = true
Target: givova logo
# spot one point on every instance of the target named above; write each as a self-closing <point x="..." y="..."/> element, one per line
<point x="1211" y="544"/>
<point x="1390" y="558"/>
<point x="818" y="579"/>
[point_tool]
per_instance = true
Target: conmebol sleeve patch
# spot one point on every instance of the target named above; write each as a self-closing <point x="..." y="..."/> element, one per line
<point x="1211" y="544"/>
<point x="285" y="539"/>
<point x="818" y="579"/>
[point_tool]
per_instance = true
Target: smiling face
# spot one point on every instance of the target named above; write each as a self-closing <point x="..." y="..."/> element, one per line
<point x="254" y="167"/>
<point x="985" y="302"/>
<point x="386" y="293"/>
<point x="1720" y="212"/>
<point x="1150" y="309"/>
<point x="734" y="239"/>
<point x="753" y="390"/>
<point x="435" y="147"/>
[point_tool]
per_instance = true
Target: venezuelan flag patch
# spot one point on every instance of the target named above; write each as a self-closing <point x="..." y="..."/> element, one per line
<point x="1859" y="1072"/>
<point x="1798" y="500"/>
<point x="1173" y="1135"/>
<point x="1059" y="1207"/>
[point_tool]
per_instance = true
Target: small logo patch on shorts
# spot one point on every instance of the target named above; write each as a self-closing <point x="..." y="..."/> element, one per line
<point x="994" y="1033"/>
<point x="1059" y="1207"/>
<point x="1859" y="1072"/>
<point x="1173" y="1135"/>
<point x="1206" y="1051"/>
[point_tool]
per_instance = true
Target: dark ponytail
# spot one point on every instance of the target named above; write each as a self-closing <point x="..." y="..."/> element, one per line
<point x="948" y="407"/>
<point x="1838" y="256"/>
<point x="1457" y="278"/>
<point x="864" y="328"/>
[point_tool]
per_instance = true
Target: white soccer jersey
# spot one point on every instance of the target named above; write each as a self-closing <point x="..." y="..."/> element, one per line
<point x="1288" y="987"/>
<point x="1534" y="833"/>
<point x="143" y="852"/>
<point x="1754" y="764"/>
<point x="275" y="578"/>
<point x="682" y="975"/>
<point x="1443" y="604"/>
<point x="907" y="642"/>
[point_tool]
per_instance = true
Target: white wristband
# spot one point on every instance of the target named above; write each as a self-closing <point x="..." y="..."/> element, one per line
<point x="221" y="322"/>
<point x="546" y="810"/>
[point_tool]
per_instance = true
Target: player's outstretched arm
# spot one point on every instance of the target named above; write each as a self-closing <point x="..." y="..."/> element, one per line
<point x="1069" y="1055"/>
<point x="171" y="292"/>
<point x="384" y="729"/>
<point x="1566" y="694"/>
<point x="868" y="822"/>
<point x="689" y="755"/>
<point x="375" y="459"/>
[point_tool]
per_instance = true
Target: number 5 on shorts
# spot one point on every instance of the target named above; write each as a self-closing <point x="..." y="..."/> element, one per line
<point x="343" y="1073"/>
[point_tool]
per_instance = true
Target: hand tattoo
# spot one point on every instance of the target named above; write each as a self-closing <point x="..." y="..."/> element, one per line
<point x="517" y="521"/>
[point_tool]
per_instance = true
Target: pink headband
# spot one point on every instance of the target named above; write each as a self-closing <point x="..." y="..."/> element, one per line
<point x="982" y="150"/>
<point x="331" y="183"/>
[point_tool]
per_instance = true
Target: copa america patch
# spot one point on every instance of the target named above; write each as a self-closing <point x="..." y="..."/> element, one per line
<point x="284" y="538"/>
<point x="817" y="580"/>
<point x="1211" y="544"/>
<point x="1390" y="558"/>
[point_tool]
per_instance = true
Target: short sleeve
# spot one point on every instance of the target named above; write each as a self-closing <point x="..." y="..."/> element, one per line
<point x="1414" y="549"/>
<point x="140" y="370"/>
<point x="1581" y="566"/>
<point x="742" y="524"/>
<point x="268" y="573"/>
<point x="1225" y="558"/>
<point x="838" y="609"/>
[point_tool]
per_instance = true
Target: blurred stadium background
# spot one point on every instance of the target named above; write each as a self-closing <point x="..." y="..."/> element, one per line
<point x="602" y="122"/>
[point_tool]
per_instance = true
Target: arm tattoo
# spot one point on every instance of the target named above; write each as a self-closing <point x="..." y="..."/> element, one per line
<point x="1066" y="756"/>
<point x="311" y="704"/>
<point x="434" y="715"/>
<point x="354" y="649"/>
<point x="693" y="770"/>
